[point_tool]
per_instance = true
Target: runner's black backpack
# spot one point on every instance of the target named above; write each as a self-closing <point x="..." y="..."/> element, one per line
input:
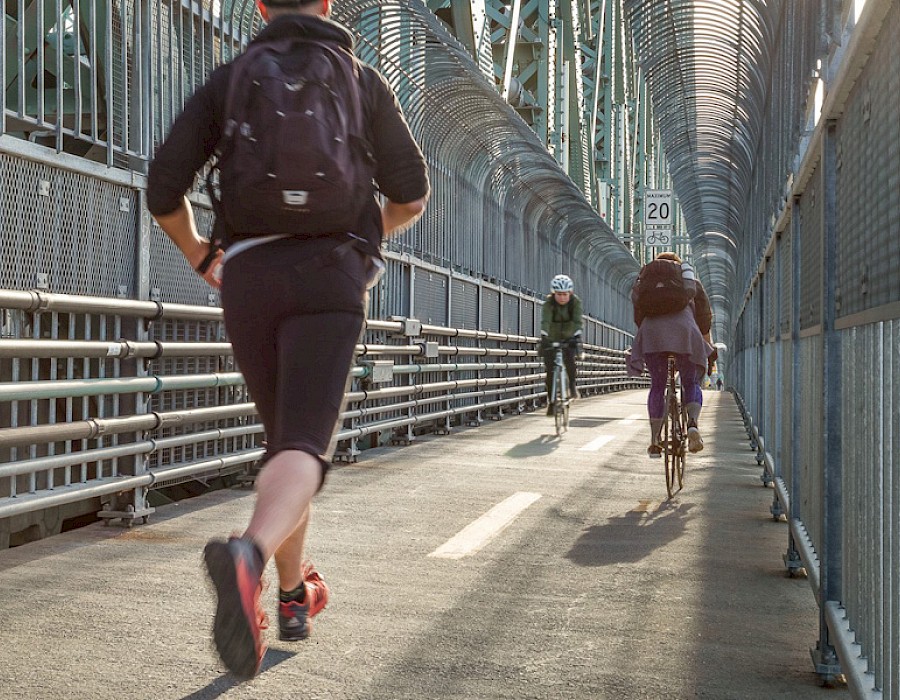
<point x="293" y="158"/>
<point x="660" y="289"/>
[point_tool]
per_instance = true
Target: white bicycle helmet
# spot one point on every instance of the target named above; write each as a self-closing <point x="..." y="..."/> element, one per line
<point x="562" y="283"/>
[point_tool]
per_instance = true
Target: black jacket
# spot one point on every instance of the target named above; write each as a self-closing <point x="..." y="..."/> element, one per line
<point x="401" y="173"/>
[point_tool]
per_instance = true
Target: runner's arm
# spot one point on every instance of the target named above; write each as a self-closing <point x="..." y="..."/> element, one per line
<point x="397" y="217"/>
<point x="181" y="226"/>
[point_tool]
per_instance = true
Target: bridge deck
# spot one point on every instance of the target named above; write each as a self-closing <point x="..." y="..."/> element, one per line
<point x="597" y="589"/>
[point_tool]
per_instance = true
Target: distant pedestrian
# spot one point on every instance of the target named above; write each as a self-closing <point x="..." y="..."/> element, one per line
<point x="719" y="383"/>
<point x="301" y="129"/>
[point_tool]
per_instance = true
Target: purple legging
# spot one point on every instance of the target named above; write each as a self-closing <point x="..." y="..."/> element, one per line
<point x="658" y="365"/>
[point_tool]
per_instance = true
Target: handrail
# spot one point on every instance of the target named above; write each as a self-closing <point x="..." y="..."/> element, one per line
<point x="54" y="453"/>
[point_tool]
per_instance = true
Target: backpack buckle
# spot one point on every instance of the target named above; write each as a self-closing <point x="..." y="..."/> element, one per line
<point x="295" y="198"/>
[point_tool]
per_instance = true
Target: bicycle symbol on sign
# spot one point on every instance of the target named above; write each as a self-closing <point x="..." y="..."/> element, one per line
<point x="659" y="238"/>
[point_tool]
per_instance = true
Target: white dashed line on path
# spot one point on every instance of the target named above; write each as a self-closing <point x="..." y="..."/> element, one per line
<point x="481" y="531"/>
<point x="630" y="420"/>
<point x="598" y="442"/>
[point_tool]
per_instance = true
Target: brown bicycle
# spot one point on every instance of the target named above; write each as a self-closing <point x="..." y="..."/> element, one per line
<point x="674" y="434"/>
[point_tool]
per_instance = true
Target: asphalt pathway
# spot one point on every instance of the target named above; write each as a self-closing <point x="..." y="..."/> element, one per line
<point x="497" y="562"/>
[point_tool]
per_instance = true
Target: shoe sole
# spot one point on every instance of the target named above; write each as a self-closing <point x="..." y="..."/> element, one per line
<point x="232" y="632"/>
<point x="695" y="442"/>
<point x="295" y="637"/>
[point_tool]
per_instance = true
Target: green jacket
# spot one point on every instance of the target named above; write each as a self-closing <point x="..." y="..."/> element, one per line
<point x="560" y="322"/>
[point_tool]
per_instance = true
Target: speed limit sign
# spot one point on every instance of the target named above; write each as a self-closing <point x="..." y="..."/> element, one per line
<point x="658" y="208"/>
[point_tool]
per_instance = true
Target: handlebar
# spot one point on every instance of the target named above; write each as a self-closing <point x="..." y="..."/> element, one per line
<point x="570" y="343"/>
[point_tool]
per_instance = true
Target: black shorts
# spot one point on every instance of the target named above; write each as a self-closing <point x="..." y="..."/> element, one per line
<point x="294" y="311"/>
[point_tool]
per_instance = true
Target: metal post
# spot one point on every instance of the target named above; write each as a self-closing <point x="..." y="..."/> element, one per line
<point x="763" y="381"/>
<point x="792" y="557"/>
<point x="557" y="88"/>
<point x="831" y="548"/>
<point x="133" y="505"/>
<point x="775" y="438"/>
<point x="512" y="37"/>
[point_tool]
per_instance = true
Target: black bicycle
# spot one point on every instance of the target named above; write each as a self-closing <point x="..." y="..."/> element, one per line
<point x="674" y="434"/>
<point x="559" y="390"/>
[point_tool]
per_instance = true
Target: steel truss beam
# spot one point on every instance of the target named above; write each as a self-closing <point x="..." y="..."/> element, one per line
<point x="568" y="69"/>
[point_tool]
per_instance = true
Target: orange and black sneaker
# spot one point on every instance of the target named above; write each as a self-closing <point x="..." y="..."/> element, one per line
<point x="235" y="568"/>
<point x="295" y="617"/>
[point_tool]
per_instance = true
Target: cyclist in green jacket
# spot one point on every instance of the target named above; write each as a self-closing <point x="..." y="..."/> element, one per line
<point x="561" y="322"/>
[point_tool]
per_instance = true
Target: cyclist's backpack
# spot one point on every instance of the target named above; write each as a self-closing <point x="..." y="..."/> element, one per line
<point x="293" y="159"/>
<point x="660" y="289"/>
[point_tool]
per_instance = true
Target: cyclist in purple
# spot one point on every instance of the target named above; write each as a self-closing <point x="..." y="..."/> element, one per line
<point x="684" y="334"/>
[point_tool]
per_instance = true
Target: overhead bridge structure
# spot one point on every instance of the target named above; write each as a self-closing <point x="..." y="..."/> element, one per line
<point x="547" y="126"/>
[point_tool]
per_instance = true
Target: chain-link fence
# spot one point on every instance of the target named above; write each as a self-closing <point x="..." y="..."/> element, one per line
<point x="815" y="346"/>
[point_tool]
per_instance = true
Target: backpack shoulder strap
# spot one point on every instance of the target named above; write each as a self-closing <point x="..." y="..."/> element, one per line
<point x="348" y="66"/>
<point x="237" y="77"/>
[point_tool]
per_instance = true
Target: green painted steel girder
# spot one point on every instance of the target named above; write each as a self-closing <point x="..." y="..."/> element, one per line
<point x="567" y="68"/>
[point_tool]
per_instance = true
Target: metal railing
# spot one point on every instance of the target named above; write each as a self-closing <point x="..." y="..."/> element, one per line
<point x="108" y="399"/>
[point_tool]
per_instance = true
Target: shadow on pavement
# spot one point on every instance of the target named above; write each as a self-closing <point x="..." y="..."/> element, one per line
<point x="226" y="682"/>
<point x="543" y="445"/>
<point x="632" y="536"/>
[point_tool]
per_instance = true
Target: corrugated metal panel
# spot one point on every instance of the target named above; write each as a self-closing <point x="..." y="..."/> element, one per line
<point x="393" y="291"/>
<point x="464" y="304"/>
<point x="490" y="309"/>
<point x="430" y="297"/>
<point x="811" y="254"/>
<point x="527" y="324"/>
<point x="785" y="290"/>
<point x="510" y="313"/>
<point x="770" y="288"/>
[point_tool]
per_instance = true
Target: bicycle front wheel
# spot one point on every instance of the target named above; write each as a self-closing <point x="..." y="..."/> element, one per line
<point x="560" y="410"/>
<point x="682" y="452"/>
<point x="675" y="448"/>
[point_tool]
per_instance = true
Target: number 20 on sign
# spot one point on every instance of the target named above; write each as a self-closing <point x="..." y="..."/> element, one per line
<point x="658" y="208"/>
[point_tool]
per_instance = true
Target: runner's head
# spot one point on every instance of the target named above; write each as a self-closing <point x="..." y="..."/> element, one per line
<point x="270" y="9"/>
<point x="669" y="256"/>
